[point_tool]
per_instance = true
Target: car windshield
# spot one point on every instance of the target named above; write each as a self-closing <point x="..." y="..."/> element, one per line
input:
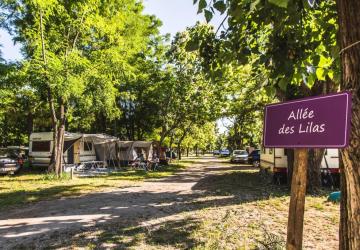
<point x="8" y="153"/>
<point x="240" y="152"/>
<point x="4" y="153"/>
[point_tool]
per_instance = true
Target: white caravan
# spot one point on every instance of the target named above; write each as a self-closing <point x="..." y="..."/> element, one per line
<point x="274" y="160"/>
<point x="77" y="147"/>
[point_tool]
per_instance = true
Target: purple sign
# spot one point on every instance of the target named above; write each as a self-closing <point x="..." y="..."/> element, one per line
<point x="315" y="122"/>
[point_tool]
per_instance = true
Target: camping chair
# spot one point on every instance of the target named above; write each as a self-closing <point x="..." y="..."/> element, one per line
<point x="155" y="164"/>
<point x="139" y="165"/>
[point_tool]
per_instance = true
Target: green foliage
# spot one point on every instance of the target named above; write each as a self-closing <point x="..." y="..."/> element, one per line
<point x="220" y="6"/>
<point x="287" y="38"/>
<point x="281" y="48"/>
<point x="90" y="48"/>
<point x="280" y="3"/>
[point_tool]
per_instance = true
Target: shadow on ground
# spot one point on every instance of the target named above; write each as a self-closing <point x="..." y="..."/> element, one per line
<point x="123" y="218"/>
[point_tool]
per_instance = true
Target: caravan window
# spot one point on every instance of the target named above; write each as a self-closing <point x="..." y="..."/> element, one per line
<point x="41" y="146"/>
<point x="88" y="146"/>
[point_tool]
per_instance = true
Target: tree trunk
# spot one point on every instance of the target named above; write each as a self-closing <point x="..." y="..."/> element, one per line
<point x="179" y="151"/>
<point x="59" y="150"/>
<point x="187" y="152"/>
<point x="314" y="170"/>
<point x="54" y="164"/>
<point x="297" y="201"/>
<point x="60" y="141"/>
<point x="171" y="142"/>
<point x="161" y="141"/>
<point x="290" y="164"/>
<point x="349" y="36"/>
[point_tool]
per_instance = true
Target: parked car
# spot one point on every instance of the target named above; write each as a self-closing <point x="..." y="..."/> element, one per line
<point x="10" y="161"/>
<point x="216" y="152"/>
<point x="239" y="156"/>
<point x="224" y="152"/>
<point x="254" y="158"/>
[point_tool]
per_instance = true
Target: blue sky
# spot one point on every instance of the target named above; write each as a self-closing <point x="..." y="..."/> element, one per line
<point x="176" y="15"/>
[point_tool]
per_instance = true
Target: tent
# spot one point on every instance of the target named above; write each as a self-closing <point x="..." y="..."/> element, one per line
<point x="107" y="150"/>
<point x="128" y="151"/>
<point x="145" y="147"/>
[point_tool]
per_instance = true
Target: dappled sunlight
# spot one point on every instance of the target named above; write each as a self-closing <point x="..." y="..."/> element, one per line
<point x="38" y="225"/>
<point x="30" y="188"/>
<point x="183" y="210"/>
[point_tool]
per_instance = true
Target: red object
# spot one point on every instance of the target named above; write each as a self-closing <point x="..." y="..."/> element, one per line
<point x="332" y="170"/>
<point x="280" y="170"/>
<point x="21" y="161"/>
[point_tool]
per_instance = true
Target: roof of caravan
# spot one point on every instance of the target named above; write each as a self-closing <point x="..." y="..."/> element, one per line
<point x="135" y="143"/>
<point x="48" y="135"/>
<point x="125" y="143"/>
<point x="96" y="138"/>
<point x="101" y="138"/>
<point x="142" y="143"/>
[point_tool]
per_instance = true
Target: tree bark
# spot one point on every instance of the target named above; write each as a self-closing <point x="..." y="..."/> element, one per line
<point x="54" y="154"/>
<point x="297" y="201"/>
<point x="314" y="170"/>
<point x="60" y="141"/>
<point x="52" y="165"/>
<point x="349" y="36"/>
<point x="290" y="164"/>
<point x="171" y="143"/>
<point x="179" y="151"/>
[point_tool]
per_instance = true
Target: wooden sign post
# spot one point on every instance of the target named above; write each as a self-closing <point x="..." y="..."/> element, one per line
<point x="297" y="200"/>
<point x="316" y="122"/>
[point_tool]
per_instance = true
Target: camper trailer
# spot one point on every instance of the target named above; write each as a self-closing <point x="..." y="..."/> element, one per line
<point x="78" y="147"/>
<point x="274" y="160"/>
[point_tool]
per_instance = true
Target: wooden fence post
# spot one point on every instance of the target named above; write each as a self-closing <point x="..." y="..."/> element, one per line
<point x="297" y="201"/>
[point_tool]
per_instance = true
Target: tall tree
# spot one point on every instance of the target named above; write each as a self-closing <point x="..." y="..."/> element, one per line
<point x="77" y="52"/>
<point x="349" y="38"/>
<point x="295" y="44"/>
<point x="304" y="50"/>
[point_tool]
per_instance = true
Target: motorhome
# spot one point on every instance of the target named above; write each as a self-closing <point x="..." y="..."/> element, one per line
<point x="274" y="161"/>
<point x="78" y="147"/>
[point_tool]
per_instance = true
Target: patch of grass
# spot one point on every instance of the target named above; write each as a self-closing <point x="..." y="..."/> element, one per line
<point x="234" y="209"/>
<point x="30" y="187"/>
<point x="318" y="206"/>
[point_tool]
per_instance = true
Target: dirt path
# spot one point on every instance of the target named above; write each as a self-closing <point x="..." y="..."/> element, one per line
<point x="149" y="202"/>
<point x="210" y="205"/>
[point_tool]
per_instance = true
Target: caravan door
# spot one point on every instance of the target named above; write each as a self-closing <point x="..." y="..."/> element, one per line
<point x="70" y="155"/>
<point x="76" y="154"/>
